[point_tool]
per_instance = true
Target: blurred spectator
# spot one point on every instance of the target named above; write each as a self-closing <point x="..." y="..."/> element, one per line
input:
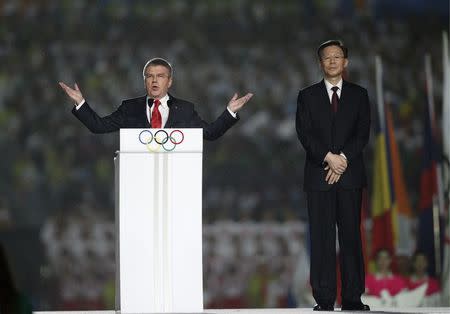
<point x="383" y="278"/>
<point x="403" y="265"/>
<point x="419" y="277"/>
<point x="258" y="285"/>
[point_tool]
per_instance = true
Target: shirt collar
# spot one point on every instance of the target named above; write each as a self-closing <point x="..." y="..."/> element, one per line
<point x="328" y="85"/>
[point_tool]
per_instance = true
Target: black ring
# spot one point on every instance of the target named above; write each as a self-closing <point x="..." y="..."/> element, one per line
<point x="164" y="141"/>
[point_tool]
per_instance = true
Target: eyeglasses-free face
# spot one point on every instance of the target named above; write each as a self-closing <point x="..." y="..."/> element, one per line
<point x="157" y="81"/>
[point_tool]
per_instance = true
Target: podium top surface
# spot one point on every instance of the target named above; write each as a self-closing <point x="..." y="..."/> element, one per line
<point x="161" y="140"/>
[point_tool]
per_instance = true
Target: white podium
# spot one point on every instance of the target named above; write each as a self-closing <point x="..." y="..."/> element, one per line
<point x="158" y="182"/>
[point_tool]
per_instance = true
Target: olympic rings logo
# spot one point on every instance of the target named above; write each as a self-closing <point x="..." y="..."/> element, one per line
<point x="161" y="139"/>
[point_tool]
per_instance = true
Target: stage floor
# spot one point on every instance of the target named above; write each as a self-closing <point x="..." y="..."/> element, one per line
<point x="434" y="310"/>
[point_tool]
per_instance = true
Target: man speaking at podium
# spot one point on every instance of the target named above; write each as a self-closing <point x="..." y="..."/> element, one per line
<point x="157" y="109"/>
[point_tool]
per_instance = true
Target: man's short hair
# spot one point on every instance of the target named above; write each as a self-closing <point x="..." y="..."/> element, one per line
<point x="158" y="61"/>
<point x="333" y="42"/>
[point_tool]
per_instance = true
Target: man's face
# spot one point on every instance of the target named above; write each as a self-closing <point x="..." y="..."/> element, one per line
<point x="420" y="264"/>
<point x="333" y="62"/>
<point x="157" y="81"/>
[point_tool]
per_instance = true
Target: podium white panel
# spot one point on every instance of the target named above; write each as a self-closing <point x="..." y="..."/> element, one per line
<point x="159" y="221"/>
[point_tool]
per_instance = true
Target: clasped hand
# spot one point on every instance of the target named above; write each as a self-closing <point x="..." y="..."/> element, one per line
<point x="336" y="165"/>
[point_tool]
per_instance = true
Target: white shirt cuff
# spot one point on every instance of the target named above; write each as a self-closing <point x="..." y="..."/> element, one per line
<point x="80" y="104"/>
<point x="343" y="155"/>
<point x="233" y="114"/>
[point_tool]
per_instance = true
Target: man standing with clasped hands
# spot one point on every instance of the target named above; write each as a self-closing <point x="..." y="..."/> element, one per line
<point x="157" y="109"/>
<point x="333" y="125"/>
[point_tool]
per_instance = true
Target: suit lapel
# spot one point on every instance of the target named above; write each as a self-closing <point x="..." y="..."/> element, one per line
<point x="143" y="113"/>
<point x="343" y="106"/>
<point x="343" y="97"/>
<point x="172" y="104"/>
<point x="324" y="102"/>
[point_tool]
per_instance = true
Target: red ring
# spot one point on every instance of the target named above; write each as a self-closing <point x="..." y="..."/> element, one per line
<point x="171" y="138"/>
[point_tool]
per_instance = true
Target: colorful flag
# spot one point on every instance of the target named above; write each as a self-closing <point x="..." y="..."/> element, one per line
<point x="381" y="202"/>
<point x="390" y="206"/>
<point x="403" y="237"/>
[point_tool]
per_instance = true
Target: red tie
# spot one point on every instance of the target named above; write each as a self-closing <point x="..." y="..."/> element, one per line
<point x="156" y="115"/>
<point x="334" y="99"/>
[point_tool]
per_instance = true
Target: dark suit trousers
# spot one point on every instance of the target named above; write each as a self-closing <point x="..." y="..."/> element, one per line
<point x="326" y="209"/>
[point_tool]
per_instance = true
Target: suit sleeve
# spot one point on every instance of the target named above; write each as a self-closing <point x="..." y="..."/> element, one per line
<point x="356" y="144"/>
<point x="305" y="132"/>
<point x="215" y="129"/>
<point x="97" y="124"/>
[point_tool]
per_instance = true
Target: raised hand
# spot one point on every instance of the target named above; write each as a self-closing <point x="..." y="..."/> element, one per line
<point x="75" y="94"/>
<point x="235" y="104"/>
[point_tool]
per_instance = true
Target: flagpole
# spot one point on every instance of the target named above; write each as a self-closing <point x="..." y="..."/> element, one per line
<point x="437" y="240"/>
<point x="446" y="112"/>
<point x="445" y="279"/>
<point x="437" y="199"/>
<point x="379" y="87"/>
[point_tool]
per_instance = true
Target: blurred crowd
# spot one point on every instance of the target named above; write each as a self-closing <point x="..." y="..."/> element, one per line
<point x="246" y="264"/>
<point x="272" y="257"/>
<point x="58" y="177"/>
<point x="409" y="286"/>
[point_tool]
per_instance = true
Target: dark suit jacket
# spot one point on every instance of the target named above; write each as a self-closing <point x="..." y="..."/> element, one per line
<point x="132" y="114"/>
<point x="321" y="131"/>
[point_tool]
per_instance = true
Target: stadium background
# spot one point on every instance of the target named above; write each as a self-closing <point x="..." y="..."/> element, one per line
<point x="56" y="183"/>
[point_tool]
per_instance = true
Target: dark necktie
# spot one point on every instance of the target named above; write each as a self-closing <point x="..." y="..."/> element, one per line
<point x="156" y="119"/>
<point x="334" y="99"/>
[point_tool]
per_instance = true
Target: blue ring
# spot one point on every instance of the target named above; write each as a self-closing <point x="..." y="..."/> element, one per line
<point x="140" y="140"/>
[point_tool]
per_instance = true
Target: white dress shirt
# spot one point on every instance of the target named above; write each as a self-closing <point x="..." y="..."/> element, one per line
<point x="163" y="110"/>
<point x="329" y="87"/>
